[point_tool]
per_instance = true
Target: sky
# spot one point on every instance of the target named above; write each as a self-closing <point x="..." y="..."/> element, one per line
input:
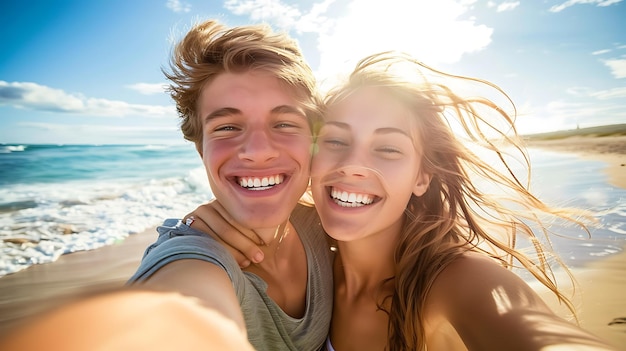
<point x="90" y="72"/>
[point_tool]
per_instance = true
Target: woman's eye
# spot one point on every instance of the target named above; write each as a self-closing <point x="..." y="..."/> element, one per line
<point x="390" y="150"/>
<point x="334" y="143"/>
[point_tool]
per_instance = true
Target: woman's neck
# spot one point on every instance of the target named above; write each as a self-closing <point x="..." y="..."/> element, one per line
<point x="361" y="265"/>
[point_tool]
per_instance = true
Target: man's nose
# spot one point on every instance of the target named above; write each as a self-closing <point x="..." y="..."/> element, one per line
<point x="258" y="147"/>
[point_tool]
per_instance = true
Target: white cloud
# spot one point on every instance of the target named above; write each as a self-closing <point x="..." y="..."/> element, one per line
<point x="618" y="67"/>
<point x="507" y="6"/>
<point x="590" y="112"/>
<point x="600" y="52"/>
<point x="615" y="93"/>
<point x="279" y="14"/>
<point x="98" y="127"/>
<point x="579" y="91"/>
<point x="563" y="114"/>
<point x="38" y="97"/>
<point x="607" y="94"/>
<point x="569" y="3"/>
<point x="148" y="88"/>
<point x="178" y="6"/>
<point x="58" y="133"/>
<point x="431" y="31"/>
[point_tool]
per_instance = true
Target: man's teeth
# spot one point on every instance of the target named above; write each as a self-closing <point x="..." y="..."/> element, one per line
<point x="260" y="183"/>
<point x="346" y="199"/>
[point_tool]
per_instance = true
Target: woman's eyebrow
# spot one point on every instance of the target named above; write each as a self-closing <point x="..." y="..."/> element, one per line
<point x="391" y="130"/>
<point x="385" y="130"/>
<point x="337" y="124"/>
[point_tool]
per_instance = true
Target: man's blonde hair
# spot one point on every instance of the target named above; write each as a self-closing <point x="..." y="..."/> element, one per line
<point x="211" y="48"/>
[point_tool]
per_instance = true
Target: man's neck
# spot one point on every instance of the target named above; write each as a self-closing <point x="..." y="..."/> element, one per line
<point x="284" y="269"/>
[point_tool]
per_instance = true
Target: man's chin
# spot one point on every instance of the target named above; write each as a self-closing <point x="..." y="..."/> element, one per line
<point x="263" y="222"/>
<point x="261" y="216"/>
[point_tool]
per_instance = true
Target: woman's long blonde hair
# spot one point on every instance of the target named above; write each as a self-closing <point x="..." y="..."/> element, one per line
<point x="455" y="215"/>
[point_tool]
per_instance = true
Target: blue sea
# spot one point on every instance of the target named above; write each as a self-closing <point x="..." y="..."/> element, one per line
<point x="58" y="199"/>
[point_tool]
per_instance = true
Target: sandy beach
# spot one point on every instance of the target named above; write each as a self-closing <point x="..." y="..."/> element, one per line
<point x="602" y="295"/>
<point x="46" y="285"/>
<point x="602" y="283"/>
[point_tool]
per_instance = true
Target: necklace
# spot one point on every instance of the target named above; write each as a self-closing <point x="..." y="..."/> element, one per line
<point x="280" y="233"/>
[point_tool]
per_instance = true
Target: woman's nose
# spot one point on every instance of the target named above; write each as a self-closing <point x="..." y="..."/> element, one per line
<point x="354" y="164"/>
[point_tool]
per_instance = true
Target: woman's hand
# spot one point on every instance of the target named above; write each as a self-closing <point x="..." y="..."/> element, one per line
<point x="212" y="219"/>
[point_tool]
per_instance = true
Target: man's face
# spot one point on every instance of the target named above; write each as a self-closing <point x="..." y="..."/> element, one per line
<point x="255" y="148"/>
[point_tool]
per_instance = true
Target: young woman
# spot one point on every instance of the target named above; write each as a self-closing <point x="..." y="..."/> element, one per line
<point x="396" y="187"/>
<point x="423" y="254"/>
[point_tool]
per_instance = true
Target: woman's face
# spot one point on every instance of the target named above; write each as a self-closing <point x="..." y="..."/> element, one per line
<point x="367" y="166"/>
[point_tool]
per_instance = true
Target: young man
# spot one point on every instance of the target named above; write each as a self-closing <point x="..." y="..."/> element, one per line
<point x="248" y="101"/>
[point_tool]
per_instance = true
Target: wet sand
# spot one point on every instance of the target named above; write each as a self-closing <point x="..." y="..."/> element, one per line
<point x="47" y="285"/>
<point x="609" y="149"/>
<point x="601" y="299"/>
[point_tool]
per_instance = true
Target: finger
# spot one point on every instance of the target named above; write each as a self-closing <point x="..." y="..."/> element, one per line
<point x="250" y="248"/>
<point x="233" y="222"/>
<point x="200" y="225"/>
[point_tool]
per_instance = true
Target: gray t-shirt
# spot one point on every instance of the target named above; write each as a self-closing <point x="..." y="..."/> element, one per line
<point x="268" y="327"/>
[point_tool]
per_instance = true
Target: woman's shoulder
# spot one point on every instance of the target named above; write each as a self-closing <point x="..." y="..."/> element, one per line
<point x="474" y="282"/>
<point x="476" y="272"/>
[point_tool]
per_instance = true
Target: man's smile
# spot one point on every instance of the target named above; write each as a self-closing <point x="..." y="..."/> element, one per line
<point x="260" y="183"/>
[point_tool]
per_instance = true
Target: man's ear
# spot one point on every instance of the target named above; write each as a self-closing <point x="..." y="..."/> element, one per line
<point x="421" y="184"/>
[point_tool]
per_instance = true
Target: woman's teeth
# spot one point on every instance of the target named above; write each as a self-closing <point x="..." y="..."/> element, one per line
<point x="346" y="199"/>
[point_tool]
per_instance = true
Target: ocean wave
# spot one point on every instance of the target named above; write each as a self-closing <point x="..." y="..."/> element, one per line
<point x="86" y="218"/>
<point x="7" y="149"/>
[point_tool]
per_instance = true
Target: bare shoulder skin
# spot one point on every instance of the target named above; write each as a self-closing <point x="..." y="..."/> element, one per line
<point x="491" y="308"/>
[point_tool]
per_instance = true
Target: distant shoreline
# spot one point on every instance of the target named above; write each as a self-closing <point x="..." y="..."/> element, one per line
<point x="599" y="131"/>
<point x="605" y="143"/>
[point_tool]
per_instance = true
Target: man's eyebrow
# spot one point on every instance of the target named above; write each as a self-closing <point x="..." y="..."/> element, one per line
<point x="224" y="111"/>
<point x="288" y="109"/>
<point x="229" y="111"/>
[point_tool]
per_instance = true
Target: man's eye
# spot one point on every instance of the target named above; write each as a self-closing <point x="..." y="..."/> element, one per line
<point x="227" y="128"/>
<point x="290" y="124"/>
